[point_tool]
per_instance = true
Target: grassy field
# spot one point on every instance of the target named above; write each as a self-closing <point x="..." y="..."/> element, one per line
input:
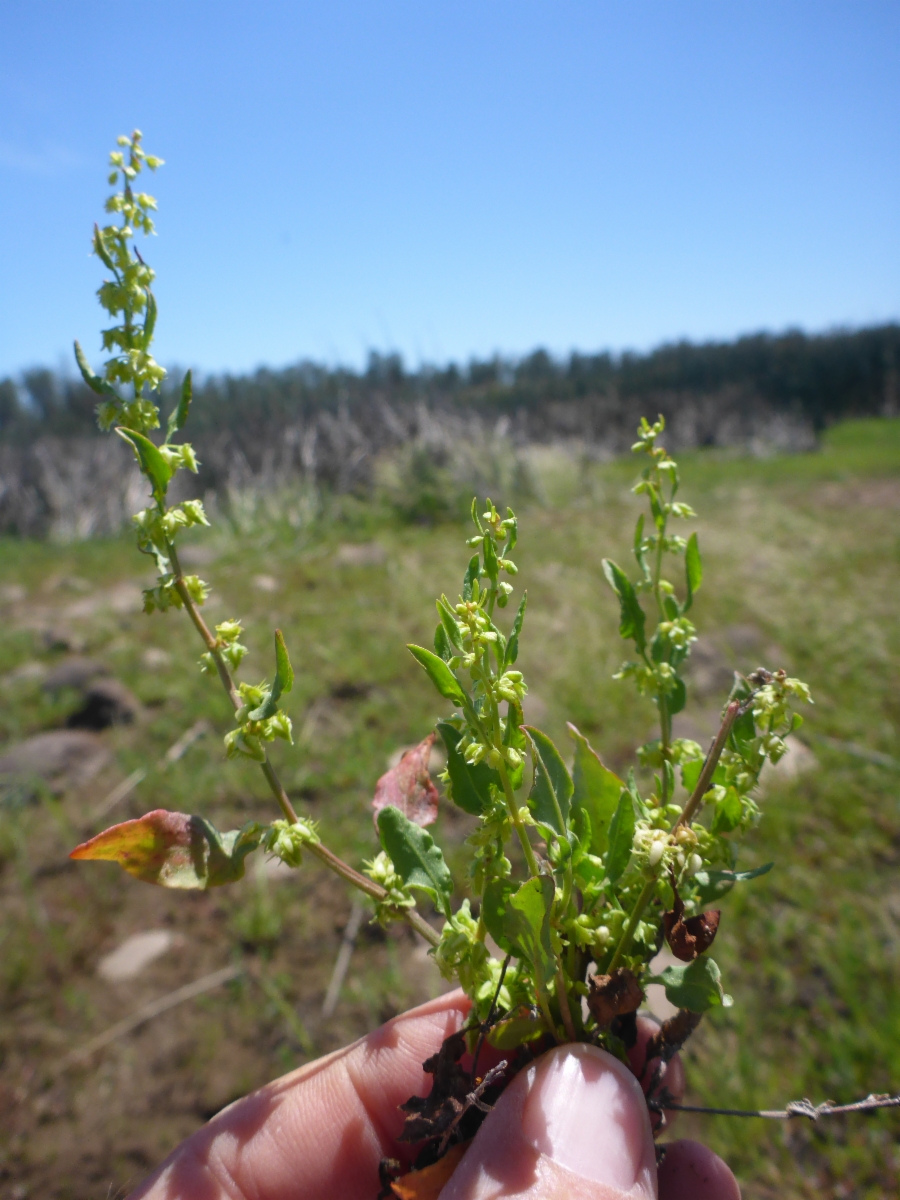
<point x="802" y="570"/>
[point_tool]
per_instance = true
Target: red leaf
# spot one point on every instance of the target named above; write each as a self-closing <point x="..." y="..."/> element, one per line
<point x="408" y="786"/>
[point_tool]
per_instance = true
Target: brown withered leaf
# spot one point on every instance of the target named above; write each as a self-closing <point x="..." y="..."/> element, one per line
<point x="429" y="1116"/>
<point x="614" y="995"/>
<point x="408" y="786"/>
<point x="428" y="1183"/>
<point x="672" y="1035"/>
<point x="689" y="938"/>
<point x="389" y="1169"/>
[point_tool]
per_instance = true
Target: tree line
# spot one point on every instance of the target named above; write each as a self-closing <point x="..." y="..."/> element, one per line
<point x="818" y="378"/>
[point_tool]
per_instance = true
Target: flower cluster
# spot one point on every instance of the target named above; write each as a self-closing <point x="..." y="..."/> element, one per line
<point x="127" y="296"/>
<point x="259" y="721"/>
<point x="399" y="898"/>
<point x="227" y="646"/>
<point x="288" y="839"/>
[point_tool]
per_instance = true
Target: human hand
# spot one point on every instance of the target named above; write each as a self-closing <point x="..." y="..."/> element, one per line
<point x="574" y="1125"/>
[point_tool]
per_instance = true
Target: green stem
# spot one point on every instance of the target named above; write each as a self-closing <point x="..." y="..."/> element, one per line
<point x="686" y="817"/>
<point x="562" y="996"/>
<point x="628" y="932"/>
<point x="544" y="1005"/>
<point x="527" y="849"/>
<point x="331" y="860"/>
<point x="665" y="723"/>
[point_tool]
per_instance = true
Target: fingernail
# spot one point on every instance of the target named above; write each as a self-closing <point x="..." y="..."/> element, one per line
<point x="586" y="1112"/>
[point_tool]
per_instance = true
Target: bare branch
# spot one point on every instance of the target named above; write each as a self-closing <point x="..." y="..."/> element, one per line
<point x="473" y="1100"/>
<point x="796" y="1108"/>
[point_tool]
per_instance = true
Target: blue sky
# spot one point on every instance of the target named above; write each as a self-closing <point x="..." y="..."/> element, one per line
<point x="453" y="179"/>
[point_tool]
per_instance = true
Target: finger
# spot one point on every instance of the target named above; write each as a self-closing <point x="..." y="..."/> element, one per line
<point x="320" y="1131"/>
<point x="691" y="1171"/>
<point x="573" y="1126"/>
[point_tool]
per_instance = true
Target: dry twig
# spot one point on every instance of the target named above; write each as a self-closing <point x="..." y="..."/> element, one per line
<point x="174" y="752"/>
<point x="796" y="1108"/>
<point x="342" y="962"/>
<point x="473" y="1100"/>
<point x="154" y="1009"/>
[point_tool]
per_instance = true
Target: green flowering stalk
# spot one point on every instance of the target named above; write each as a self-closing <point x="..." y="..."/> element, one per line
<point x="129" y="390"/>
<point x="576" y="875"/>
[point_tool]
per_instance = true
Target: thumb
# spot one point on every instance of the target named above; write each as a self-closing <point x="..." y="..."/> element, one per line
<point x="573" y="1126"/>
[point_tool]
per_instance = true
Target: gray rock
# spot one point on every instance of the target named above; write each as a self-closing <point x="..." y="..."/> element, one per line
<point x="106" y="702"/>
<point x="709" y="671"/>
<point x="74" y="672"/>
<point x="360" y="554"/>
<point x="135" y="954"/>
<point x="61" y="758"/>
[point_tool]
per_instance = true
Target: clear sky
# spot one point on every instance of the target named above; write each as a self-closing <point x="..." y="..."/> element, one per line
<point x="448" y="179"/>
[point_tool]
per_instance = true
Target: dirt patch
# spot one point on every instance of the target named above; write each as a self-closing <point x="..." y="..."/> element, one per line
<point x="862" y="493"/>
<point x="96" y="1127"/>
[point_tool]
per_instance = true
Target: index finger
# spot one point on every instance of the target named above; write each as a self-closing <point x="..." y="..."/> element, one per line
<point x="319" y="1132"/>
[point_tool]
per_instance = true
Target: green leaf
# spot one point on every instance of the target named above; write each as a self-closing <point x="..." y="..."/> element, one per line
<point x="512" y="646"/>
<point x="632" y="619"/>
<point x="284" y="672"/>
<point x="149" y="319"/>
<point x="659" y="517"/>
<point x="640" y="808"/>
<point x="472" y="571"/>
<point x="283" y="682"/>
<point x="94" y="382"/>
<point x="733" y="876"/>
<point x="693" y="569"/>
<point x="677" y="698"/>
<point x="101" y="251"/>
<point x="513" y="736"/>
<point x="470" y="786"/>
<point x="442" y="647"/>
<point x="696" y="986"/>
<point x="714" y="884"/>
<point x="179" y="416"/>
<point x="621" y="837"/>
<point x="495" y="914"/>
<point x="516" y="1030"/>
<point x="529" y="923"/>
<point x="519" y="920"/>
<point x="639" y="553"/>
<point x="597" y="790"/>
<point x="729" y="811"/>
<point x="499" y="646"/>
<point x="690" y="774"/>
<point x="512" y="535"/>
<point x="151" y="461"/>
<point x="491" y="567"/>
<point x="551" y="791"/>
<point x="448" y="621"/>
<point x="439" y="674"/>
<point x="174" y="850"/>
<point x="416" y="858"/>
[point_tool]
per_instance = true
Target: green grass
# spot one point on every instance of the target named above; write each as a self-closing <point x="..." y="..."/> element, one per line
<point x="802" y="567"/>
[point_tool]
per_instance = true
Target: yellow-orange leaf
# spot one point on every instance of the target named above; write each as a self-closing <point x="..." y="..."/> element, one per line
<point x="173" y="850"/>
<point x="427" y="1183"/>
